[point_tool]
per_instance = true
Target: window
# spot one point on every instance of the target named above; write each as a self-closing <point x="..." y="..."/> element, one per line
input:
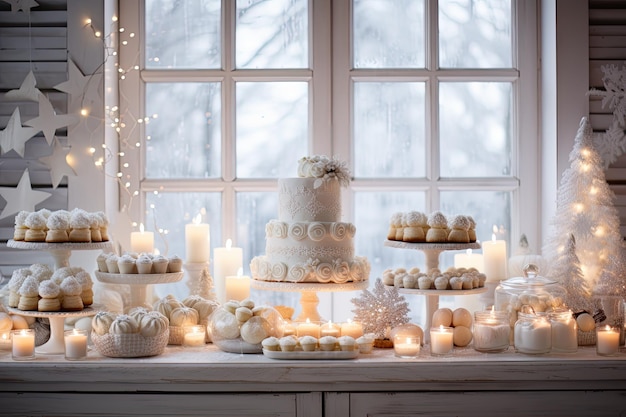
<point x="431" y="102"/>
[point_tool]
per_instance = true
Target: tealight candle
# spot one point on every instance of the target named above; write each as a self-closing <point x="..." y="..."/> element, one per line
<point x="23" y="344"/>
<point x="142" y="241"/>
<point x="5" y="341"/>
<point x="441" y="340"/>
<point x="608" y="341"/>
<point x="194" y="336"/>
<point x="352" y="328"/>
<point x="330" y="329"/>
<point x="75" y="344"/>
<point x="237" y="287"/>
<point x="308" y="329"/>
<point x="288" y="328"/>
<point x="197" y="241"/>
<point x="406" y="347"/>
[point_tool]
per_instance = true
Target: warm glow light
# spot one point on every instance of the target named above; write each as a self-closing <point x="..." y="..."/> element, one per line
<point x="599" y="231"/>
<point x="84" y="112"/>
<point x="579" y="207"/>
<point x="92" y="150"/>
<point x="114" y="18"/>
<point x="593" y="190"/>
<point x="88" y="21"/>
<point x="98" y="33"/>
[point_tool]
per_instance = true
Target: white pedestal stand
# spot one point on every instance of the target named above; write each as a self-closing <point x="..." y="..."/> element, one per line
<point x="308" y="293"/>
<point x="138" y="283"/>
<point x="61" y="252"/>
<point x="432" y="251"/>
<point x="200" y="281"/>
<point x="56" y="344"/>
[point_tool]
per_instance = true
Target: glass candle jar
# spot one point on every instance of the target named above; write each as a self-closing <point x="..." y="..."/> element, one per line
<point x="533" y="333"/>
<point x="491" y="331"/>
<point x="564" y="331"/>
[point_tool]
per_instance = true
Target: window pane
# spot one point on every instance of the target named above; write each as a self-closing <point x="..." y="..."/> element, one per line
<point x="389" y="118"/>
<point x="171" y="212"/>
<point x="183" y="34"/>
<point x="488" y="208"/>
<point x="475" y="129"/>
<point x="475" y="34"/>
<point x="184" y="140"/>
<point x="272" y="128"/>
<point x="389" y="34"/>
<point x="272" y="34"/>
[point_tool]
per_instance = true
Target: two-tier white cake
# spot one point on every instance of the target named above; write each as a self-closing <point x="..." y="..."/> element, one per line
<point x="308" y="242"/>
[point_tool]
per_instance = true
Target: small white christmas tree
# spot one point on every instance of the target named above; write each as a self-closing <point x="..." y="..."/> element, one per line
<point x="585" y="210"/>
<point x="381" y="310"/>
<point x="578" y="296"/>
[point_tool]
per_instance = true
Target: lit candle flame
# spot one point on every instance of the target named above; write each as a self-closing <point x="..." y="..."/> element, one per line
<point x="468" y="252"/>
<point x="141" y="227"/>
<point x="229" y="244"/>
<point x="197" y="219"/>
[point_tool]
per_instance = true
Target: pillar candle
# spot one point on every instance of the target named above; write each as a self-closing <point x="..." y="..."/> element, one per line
<point x="441" y="340"/>
<point x="226" y="262"/>
<point x="308" y="329"/>
<point x="469" y="260"/>
<point x="197" y="241"/>
<point x="23" y="344"/>
<point x="352" y="328"/>
<point x="142" y="241"/>
<point x="75" y="344"/>
<point x="608" y="341"/>
<point x="495" y="259"/>
<point x="237" y="286"/>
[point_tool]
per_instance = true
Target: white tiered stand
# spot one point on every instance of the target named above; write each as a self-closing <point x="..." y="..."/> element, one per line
<point x="61" y="253"/>
<point x="308" y="293"/>
<point x="432" y="252"/>
<point x="138" y="283"/>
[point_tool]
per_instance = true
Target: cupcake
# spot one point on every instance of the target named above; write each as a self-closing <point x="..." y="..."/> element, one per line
<point x="144" y="264"/>
<point x="328" y="343"/>
<point x="126" y="264"/>
<point x="112" y="264"/>
<point x="175" y="264"/>
<point x="308" y="343"/>
<point x="159" y="264"/>
<point x="424" y="282"/>
<point x="101" y="260"/>
<point x="20" y="228"/>
<point x="346" y="343"/>
<point x="271" y="343"/>
<point x="288" y="343"/>
<point x="365" y="343"/>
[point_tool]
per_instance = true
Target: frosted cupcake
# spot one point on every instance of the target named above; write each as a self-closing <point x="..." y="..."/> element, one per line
<point x="365" y="343"/>
<point x="126" y="264"/>
<point x="101" y="260"/>
<point x="36" y="224"/>
<point x="328" y="343"/>
<point x="112" y="264"/>
<point x="159" y="264"/>
<point x="175" y="264"/>
<point x="20" y="228"/>
<point x="271" y="344"/>
<point x="144" y="264"/>
<point x="288" y="343"/>
<point x="346" y="343"/>
<point x="80" y="226"/>
<point x="308" y="343"/>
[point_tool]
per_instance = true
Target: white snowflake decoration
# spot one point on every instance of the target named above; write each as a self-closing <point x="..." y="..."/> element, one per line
<point x="380" y="310"/>
<point x="612" y="143"/>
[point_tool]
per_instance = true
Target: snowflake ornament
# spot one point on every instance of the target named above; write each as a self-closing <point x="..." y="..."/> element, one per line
<point x="380" y="310"/>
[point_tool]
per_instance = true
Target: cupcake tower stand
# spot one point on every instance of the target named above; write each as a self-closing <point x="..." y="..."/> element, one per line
<point x="308" y="293"/>
<point x="61" y="253"/>
<point x="432" y="251"/>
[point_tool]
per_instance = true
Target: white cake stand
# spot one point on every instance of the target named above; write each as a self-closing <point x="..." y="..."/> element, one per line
<point x="56" y="344"/>
<point x="61" y="252"/>
<point x="138" y="283"/>
<point x="432" y="251"/>
<point x="308" y="293"/>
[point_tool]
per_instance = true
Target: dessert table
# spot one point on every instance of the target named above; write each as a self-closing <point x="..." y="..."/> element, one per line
<point x="205" y="381"/>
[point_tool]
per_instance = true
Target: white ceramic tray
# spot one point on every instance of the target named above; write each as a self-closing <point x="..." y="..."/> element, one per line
<point x="317" y="354"/>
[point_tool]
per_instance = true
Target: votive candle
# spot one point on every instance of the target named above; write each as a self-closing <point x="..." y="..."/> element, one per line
<point x="608" y="341"/>
<point x="308" y="328"/>
<point x="23" y="344"/>
<point x="194" y="336"/>
<point x="5" y="341"/>
<point x="352" y="328"/>
<point x="330" y="329"/>
<point x="75" y="344"/>
<point x="441" y="340"/>
<point x="406" y="347"/>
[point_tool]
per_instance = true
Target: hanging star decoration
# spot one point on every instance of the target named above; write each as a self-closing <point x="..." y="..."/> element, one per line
<point x="23" y="197"/>
<point x="15" y="136"/>
<point x="48" y="121"/>
<point x="57" y="163"/>
<point x="78" y="84"/>
<point x="23" y="5"/>
<point x="28" y="91"/>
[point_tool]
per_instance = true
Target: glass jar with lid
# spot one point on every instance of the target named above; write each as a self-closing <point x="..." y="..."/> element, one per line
<point x="541" y="294"/>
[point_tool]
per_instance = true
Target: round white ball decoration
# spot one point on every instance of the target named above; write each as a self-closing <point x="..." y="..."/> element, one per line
<point x="183" y="316"/>
<point x="255" y="330"/>
<point x="153" y="324"/>
<point x="101" y="322"/>
<point x="124" y="324"/>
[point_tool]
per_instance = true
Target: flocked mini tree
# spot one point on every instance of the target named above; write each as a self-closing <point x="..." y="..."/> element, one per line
<point x="585" y="211"/>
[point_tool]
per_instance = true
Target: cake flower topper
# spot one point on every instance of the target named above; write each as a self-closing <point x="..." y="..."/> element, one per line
<point x="325" y="169"/>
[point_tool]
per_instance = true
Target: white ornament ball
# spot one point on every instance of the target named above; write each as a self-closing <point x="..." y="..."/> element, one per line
<point x="461" y="317"/>
<point x="462" y="336"/>
<point x="442" y="317"/>
<point x="585" y="322"/>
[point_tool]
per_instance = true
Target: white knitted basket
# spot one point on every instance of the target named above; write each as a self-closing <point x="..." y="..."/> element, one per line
<point x="133" y="345"/>
<point x="177" y="335"/>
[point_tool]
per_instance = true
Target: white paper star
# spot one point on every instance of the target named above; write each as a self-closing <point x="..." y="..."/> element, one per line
<point x="57" y="162"/>
<point x="24" y="5"/>
<point x="27" y="91"/>
<point x="14" y="136"/>
<point x="21" y="198"/>
<point x="79" y="84"/>
<point x="48" y="121"/>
